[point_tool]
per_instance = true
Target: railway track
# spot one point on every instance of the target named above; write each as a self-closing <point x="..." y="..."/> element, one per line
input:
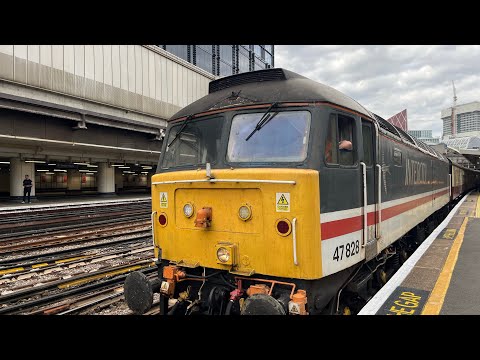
<point x="74" y="299"/>
<point x="51" y="286"/>
<point x="66" y="269"/>
<point x="47" y="267"/>
<point x="91" y="224"/>
<point x="42" y="212"/>
<point x="14" y="221"/>
<point x="18" y="245"/>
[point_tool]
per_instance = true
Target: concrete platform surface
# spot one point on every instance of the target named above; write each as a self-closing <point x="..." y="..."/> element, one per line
<point x="463" y="295"/>
<point x="442" y="277"/>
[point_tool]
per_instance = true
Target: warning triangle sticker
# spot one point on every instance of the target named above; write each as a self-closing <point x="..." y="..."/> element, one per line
<point x="282" y="200"/>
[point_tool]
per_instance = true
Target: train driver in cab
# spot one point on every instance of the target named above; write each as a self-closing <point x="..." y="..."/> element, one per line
<point x="345" y="145"/>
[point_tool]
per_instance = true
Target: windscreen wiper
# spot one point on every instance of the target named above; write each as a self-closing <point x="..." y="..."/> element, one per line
<point x="264" y="120"/>
<point x="184" y="125"/>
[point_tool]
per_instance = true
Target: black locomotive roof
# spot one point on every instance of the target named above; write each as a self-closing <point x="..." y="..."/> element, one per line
<point x="278" y="85"/>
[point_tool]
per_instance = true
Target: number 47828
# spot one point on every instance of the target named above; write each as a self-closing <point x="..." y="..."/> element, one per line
<point x="345" y="251"/>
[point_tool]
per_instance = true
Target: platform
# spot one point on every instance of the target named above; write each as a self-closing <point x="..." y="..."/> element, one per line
<point x="442" y="276"/>
<point x="50" y="202"/>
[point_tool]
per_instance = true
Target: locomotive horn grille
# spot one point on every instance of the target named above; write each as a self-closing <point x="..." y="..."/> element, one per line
<point x="244" y="78"/>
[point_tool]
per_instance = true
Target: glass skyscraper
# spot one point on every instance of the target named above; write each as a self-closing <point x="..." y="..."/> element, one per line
<point x="224" y="60"/>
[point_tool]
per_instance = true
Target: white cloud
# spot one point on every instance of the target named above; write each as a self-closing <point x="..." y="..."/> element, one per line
<point x="389" y="78"/>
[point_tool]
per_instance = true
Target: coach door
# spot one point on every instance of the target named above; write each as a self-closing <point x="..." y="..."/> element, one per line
<point x="370" y="180"/>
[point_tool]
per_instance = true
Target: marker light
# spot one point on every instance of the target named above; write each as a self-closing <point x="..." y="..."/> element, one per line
<point x="188" y="210"/>
<point x="162" y="219"/>
<point x="283" y="227"/>
<point x="245" y="212"/>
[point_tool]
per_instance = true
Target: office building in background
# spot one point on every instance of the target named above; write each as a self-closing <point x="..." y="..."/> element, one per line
<point x="225" y="60"/>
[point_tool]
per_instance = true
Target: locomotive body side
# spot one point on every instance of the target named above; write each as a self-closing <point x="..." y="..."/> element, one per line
<point x="405" y="185"/>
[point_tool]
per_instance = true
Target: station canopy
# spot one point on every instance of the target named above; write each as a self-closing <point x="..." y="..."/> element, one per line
<point x="463" y="143"/>
<point x="468" y="146"/>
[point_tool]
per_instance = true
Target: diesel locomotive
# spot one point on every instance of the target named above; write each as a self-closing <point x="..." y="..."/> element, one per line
<point x="259" y="207"/>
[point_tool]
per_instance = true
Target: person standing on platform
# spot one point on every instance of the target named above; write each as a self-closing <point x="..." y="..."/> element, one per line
<point x="27" y="188"/>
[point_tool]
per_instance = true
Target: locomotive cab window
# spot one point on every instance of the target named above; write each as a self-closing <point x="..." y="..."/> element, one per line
<point x="282" y="138"/>
<point x="193" y="142"/>
<point x="339" y="145"/>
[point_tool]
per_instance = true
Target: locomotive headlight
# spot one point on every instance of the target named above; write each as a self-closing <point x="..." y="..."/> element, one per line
<point x="245" y="212"/>
<point x="223" y="254"/>
<point x="188" y="210"/>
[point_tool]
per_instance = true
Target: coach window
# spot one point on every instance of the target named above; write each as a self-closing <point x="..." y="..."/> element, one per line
<point x="339" y="144"/>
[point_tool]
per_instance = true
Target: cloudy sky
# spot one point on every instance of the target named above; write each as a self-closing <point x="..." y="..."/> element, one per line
<point x="389" y="78"/>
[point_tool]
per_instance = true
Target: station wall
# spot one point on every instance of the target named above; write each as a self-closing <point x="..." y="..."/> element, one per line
<point x="141" y="78"/>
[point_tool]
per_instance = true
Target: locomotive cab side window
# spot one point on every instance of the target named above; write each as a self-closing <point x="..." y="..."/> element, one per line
<point x="339" y="144"/>
<point x="367" y="144"/>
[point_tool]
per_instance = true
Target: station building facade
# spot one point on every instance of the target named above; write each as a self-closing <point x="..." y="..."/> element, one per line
<point x="91" y="118"/>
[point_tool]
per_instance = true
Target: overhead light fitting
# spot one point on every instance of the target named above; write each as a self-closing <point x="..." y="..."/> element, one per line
<point x="36" y="161"/>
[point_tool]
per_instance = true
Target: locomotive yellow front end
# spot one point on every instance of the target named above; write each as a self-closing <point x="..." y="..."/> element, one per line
<point x="244" y="221"/>
<point x="252" y="229"/>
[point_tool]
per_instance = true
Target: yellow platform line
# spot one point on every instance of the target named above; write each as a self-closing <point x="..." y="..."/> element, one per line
<point x="437" y="297"/>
